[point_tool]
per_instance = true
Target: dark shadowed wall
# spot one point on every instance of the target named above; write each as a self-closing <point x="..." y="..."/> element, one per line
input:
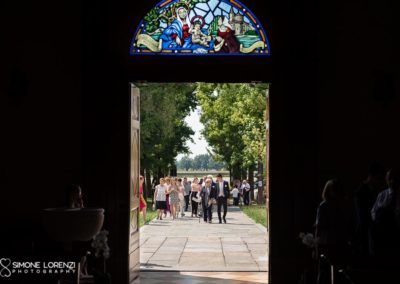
<point x="64" y="106"/>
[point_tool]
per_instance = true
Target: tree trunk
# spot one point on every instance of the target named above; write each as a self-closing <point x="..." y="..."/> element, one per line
<point x="236" y="172"/>
<point x="243" y="173"/>
<point x="159" y="173"/>
<point x="173" y="171"/>
<point x="147" y="192"/>
<point x="251" y="181"/>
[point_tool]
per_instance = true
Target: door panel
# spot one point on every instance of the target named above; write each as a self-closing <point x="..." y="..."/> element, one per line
<point x="134" y="254"/>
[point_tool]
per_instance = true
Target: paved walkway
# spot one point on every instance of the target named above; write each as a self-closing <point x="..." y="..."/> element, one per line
<point x="187" y="245"/>
<point x="169" y="277"/>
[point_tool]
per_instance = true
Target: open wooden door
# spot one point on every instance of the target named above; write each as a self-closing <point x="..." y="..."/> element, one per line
<point x="134" y="253"/>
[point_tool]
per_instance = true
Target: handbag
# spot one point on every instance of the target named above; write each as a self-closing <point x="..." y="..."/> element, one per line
<point x="196" y="199"/>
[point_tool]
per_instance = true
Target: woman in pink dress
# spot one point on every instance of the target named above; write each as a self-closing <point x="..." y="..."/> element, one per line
<point x="142" y="201"/>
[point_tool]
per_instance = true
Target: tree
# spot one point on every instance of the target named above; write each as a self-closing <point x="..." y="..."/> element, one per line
<point x="215" y="165"/>
<point x="185" y="163"/>
<point x="199" y="162"/>
<point x="234" y="123"/>
<point x="202" y="161"/>
<point x="164" y="132"/>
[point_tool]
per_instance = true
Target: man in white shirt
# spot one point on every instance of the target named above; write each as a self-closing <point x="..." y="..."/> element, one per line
<point x="246" y="192"/>
<point x="222" y="196"/>
<point x="235" y="195"/>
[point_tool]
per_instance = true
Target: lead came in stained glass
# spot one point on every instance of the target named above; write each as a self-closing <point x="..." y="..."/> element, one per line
<point x="200" y="27"/>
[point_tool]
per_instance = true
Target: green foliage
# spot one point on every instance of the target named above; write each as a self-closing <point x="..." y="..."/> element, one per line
<point x="164" y="131"/>
<point x="199" y="162"/>
<point x="152" y="20"/>
<point x="233" y="116"/>
<point x="150" y="213"/>
<point x="202" y="161"/>
<point x="185" y="163"/>
<point x="234" y="121"/>
<point x="258" y="213"/>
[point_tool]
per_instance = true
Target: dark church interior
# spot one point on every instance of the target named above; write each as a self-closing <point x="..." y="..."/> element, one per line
<point x="65" y="73"/>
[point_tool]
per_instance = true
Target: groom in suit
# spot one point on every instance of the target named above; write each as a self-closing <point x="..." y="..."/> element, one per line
<point x="222" y="196"/>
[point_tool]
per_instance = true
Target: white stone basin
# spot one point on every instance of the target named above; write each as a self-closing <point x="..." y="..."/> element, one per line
<point x="72" y="224"/>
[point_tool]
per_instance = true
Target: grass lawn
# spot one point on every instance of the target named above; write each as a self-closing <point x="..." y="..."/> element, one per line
<point x="151" y="214"/>
<point x="256" y="212"/>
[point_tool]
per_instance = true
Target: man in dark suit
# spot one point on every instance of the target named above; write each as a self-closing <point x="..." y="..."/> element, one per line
<point x="208" y="193"/>
<point x="222" y="188"/>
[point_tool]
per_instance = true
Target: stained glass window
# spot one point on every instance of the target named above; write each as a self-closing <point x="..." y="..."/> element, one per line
<point x="200" y="27"/>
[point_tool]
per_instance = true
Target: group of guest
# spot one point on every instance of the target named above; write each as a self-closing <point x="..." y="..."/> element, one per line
<point x="173" y="194"/>
<point x="241" y="193"/>
<point x="169" y="197"/>
<point x="362" y="227"/>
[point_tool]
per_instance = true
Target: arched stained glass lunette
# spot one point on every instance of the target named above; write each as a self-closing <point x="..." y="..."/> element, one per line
<point x="200" y="27"/>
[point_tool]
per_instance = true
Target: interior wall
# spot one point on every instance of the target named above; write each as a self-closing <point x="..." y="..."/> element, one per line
<point x="40" y="114"/>
<point x="65" y="107"/>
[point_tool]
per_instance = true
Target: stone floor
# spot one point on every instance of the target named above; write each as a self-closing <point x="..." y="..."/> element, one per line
<point x="169" y="277"/>
<point x="186" y="244"/>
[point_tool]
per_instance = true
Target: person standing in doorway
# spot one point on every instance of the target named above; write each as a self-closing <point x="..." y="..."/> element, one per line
<point x="222" y="188"/>
<point x="246" y="192"/>
<point x="187" y="191"/>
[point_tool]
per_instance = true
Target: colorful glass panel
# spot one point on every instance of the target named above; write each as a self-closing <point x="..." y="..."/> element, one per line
<point x="200" y="27"/>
